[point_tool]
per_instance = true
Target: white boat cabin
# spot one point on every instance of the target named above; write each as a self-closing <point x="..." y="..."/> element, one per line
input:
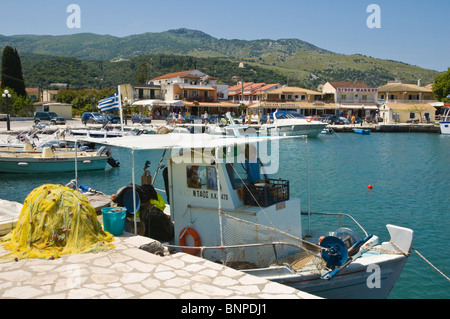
<point x="246" y="193"/>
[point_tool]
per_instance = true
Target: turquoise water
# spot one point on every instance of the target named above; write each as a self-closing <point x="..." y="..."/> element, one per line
<point x="409" y="173"/>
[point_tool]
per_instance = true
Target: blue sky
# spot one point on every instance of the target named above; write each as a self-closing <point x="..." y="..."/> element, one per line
<point x="412" y="31"/>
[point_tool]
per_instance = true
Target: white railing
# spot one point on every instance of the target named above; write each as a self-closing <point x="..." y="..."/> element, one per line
<point x="410" y="101"/>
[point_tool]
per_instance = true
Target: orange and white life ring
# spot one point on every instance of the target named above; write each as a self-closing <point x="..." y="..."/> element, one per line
<point x="309" y="119"/>
<point x="197" y="242"/>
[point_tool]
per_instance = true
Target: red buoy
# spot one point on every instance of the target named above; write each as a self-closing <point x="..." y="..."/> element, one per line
<point x="369" y="187"/>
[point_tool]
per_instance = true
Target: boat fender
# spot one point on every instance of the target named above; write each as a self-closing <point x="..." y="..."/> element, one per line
<point x="197" y="242"/>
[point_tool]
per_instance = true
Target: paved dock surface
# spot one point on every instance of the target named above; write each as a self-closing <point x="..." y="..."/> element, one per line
<point x="127" y="272"/>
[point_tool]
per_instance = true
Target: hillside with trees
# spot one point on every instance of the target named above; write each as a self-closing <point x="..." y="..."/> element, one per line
<point x="87" y="60"/>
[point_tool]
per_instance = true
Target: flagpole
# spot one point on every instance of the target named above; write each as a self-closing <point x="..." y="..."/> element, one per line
<point x="120" y="108"/>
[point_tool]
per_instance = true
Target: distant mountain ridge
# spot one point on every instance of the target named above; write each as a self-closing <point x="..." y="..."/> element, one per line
<point x="297" y="61"/>
<point x="183" y="41"/>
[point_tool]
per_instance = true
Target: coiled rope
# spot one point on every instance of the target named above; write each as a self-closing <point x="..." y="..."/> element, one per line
<point x="431" y="264"/>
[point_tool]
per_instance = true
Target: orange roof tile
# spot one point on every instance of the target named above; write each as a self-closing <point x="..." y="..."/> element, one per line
<point x="344" y="84"/>
<point x="172" y="75"/>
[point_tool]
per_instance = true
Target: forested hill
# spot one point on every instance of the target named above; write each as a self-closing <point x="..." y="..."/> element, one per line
<point x="90" y="60"/>
<point x="181" y="41"/>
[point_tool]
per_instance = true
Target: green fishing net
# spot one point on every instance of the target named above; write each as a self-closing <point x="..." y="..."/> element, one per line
<point x="56" y="220"/>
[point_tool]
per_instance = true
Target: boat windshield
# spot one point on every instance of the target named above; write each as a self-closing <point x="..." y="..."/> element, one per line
<point x="288" y="115"/>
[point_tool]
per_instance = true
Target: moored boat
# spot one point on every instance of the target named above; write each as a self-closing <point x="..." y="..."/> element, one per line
<point x="291" y="123"/>
<point x="361" y="131"/>
<point x="252" y="223"/>
<point x="232" y="129"/>
<point x="444" y="123"/>
<point x="50" y="161"/>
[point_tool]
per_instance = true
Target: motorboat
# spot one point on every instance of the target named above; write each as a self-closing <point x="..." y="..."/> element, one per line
<point x="444" y="123"/>
<point x="232" y="129"/>
<point x="49" y="160"/>
<point x="103" y="132"/>
<point x="251" y="223"/>
<point x="291" y="123"/>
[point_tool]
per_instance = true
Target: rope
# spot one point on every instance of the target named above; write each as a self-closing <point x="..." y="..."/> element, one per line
<point x="393" y="244"/>
<point x="431" y="264"/>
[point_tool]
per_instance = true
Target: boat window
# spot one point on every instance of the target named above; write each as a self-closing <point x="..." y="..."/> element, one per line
<point x="204" y="177"/>
<point x="248" y="173"/>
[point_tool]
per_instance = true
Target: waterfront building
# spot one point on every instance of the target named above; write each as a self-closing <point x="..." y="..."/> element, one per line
<point x="248" y="93"/>
<point x="191" y="91"/>
<point x="353" y="98"/>
<point x="402" y="102"/>
<point x="301" y="100"/>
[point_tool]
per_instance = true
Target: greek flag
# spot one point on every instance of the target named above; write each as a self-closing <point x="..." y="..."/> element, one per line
<point x="110" y="103"/>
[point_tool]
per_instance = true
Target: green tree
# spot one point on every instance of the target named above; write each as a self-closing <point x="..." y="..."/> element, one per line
<point x="12" y="76"/>
<point x="83" y="100"/>
<point x="441" y="87"/>
<point x="20" y="106"/>
<point x="142" y="73"/>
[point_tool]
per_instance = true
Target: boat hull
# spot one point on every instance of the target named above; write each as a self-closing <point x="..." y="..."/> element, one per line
<point x="358" y="281"/>
<point x="361" y="131"/>
<point x="51" y="165"/>
<point x="308" y="129"/>
<point x="445" y="127"/>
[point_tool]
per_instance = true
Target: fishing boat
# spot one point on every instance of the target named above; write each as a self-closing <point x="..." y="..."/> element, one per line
<point x="361" y="131"/>
<point x="48" y="160"/>
<point x="444" y="123"/>
<point x="252" y="223"/>
<point x="291" y="123"/>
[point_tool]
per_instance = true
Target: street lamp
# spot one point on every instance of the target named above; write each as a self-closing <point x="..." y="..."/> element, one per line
<point x="7" y="96"/>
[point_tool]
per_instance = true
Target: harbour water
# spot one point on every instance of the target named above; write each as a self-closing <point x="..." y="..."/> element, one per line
<point x="409" y="173"/>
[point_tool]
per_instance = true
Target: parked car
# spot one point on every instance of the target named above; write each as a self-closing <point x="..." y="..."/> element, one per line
<point x="113" y="119"/>
<point x="52" y="117"/>
<point x="332" y="119"/>
<point x="94" y="118"/>
<point x="344" y="120"/>
<point x="218" y="119"/>
<point x="192" y="119"/>
<point x="137" y="118"/>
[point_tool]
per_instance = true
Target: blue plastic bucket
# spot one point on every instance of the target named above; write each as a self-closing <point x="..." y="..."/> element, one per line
<point x="114" y="221"/>
<point x="128" y="201"/>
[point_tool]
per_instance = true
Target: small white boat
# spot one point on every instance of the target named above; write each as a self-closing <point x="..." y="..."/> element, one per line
<point x="111" y="133"/>
<point x="291" y="123"/>
<point x="445" y="121"/>
<point x="251" y="222"/>
<point x="232" y="130"/>
<point x="50" y="161"/>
